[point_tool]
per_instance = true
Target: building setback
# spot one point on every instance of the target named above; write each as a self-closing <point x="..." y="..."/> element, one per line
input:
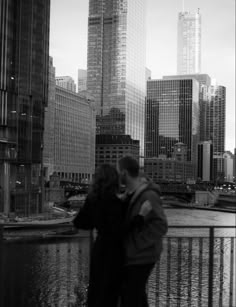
<point x="24" y="36"/>
<point x="116" y="66"/>
<point x="189" y="43"/>
<point x="70" y="142"/>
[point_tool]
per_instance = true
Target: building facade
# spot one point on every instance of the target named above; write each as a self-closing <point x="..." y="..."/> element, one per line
<point x="23" y="97"/>
<point x="116" y="66"/>
<point x="66" y="82"/>
<point x="168" y="170"/>
<point x="82" y="80"/>
<point x="69" y="149"/>
<point x="172" y="116"/>
<point x="110" y="148"/>
<point x="189" y="43"/>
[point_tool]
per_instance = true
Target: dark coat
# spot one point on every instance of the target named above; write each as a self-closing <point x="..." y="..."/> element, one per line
<point x="107" y="258"/>
<point x="144" y="246"/>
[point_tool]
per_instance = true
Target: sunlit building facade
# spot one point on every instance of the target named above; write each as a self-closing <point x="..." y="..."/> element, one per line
<point x="116" y="66"/>
<point x="189" y="43"/>
<point x="24" y="36"/>
<point x="172" y="116"/>
<point x="69" y="141"/>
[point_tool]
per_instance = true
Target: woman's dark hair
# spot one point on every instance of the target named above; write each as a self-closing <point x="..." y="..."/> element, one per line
<point x="106" y="181"/>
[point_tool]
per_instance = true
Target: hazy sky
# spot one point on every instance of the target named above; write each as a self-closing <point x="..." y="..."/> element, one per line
<point x="68" y="42"/>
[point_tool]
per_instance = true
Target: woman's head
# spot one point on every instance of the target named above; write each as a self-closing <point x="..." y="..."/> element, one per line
<point x="106" y="181"/>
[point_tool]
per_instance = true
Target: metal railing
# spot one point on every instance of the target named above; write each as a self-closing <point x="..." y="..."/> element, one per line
<point x="197" y="268"/>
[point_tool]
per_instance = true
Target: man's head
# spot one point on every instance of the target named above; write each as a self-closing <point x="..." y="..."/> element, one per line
<point x="128" y="169"/>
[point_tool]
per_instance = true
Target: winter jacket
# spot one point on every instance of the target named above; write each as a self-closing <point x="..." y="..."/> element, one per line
<point x="143" y="246"/>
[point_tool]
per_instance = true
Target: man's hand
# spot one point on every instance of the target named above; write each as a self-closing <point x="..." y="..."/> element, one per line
<point x="145" y="208"/>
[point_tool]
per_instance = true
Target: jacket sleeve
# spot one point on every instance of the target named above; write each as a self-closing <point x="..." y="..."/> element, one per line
<point x="85" y="217"/>
<point x="155" y="222"/>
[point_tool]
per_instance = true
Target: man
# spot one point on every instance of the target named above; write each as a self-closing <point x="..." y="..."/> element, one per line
<point x="143" y="244"/>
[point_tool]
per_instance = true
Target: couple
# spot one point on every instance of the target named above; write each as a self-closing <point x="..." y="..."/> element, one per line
<point x="129" y="234"/>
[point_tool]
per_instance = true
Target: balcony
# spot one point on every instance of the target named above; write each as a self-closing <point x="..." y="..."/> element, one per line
<point x="197" y="268"/>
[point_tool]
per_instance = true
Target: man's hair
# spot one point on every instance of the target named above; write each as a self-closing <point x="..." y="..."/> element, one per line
<point x="130" y="164"/>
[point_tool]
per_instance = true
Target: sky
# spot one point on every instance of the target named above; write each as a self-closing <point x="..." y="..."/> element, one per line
<point x="69" y="31"/>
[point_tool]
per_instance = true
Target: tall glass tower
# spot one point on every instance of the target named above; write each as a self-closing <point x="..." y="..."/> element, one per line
<point x="172" y="116"/>
<point x="116" y="66"/>
<point x="189" y="43"/>
<point x="24" y="36"/>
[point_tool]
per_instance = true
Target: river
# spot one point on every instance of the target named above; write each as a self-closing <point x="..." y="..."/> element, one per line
<point x="55" y="272"/>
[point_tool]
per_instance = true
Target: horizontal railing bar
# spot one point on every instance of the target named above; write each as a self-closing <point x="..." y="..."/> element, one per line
<point x="200" y="226"/>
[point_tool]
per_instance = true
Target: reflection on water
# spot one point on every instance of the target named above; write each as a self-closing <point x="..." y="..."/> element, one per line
<point x="56" y="273"/>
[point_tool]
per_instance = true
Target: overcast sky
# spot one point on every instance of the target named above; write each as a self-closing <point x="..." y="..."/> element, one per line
<point x="68" y="42"/>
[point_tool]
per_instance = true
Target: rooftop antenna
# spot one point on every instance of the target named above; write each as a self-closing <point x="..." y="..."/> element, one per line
<point x="183" y="5"/>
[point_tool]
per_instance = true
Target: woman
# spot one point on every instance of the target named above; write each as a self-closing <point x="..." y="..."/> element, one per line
<point x="103" y="210"/>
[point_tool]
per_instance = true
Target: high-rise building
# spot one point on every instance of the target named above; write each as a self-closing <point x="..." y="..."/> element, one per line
<point x="24" y="36"/>
<point x="205" y="161"/>
<point x="204" y="98"/>
<point x="69" y="136"/>
<point x="215" y="129"/>
<point x="82" y="80"/>
<point x="172" y="116"/>
<point x="116" y="66"/>
<point x="66" y="82"/>
<point x="189" y="43"/>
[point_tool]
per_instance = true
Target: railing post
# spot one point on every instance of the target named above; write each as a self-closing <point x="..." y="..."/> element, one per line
<point x="211" y="267"/>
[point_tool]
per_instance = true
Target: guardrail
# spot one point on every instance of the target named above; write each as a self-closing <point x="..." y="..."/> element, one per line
<point x="197" y="268"/>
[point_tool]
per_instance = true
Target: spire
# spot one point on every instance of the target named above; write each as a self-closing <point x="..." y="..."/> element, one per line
<point x="183" y="6"/>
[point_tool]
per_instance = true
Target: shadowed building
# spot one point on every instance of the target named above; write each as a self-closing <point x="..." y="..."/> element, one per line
<point x="24" y="36"/>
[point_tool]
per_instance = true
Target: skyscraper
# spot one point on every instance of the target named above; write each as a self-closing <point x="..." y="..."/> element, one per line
<point x="116" y="66"/>
<point x="24" y="36"/>
<point x="189" y="43"/>
<point x="172" y="116"/>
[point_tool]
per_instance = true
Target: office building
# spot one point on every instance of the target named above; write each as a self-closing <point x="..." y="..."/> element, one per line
<point x="215" y="129"/>
<point x="116" y="66"/>
<point x="111" y="148"/>
<point x="24" y="36"/>
<point x="204" y="99"/>
<point x="172" y="116"/>
<point x="205" y="161"/>
<point x="162" y="170"/>
<point x="69" y="136"/>
<point x="66" y="82"/>
<point x="82" y="80"/>
<point x="189" y="43"/>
